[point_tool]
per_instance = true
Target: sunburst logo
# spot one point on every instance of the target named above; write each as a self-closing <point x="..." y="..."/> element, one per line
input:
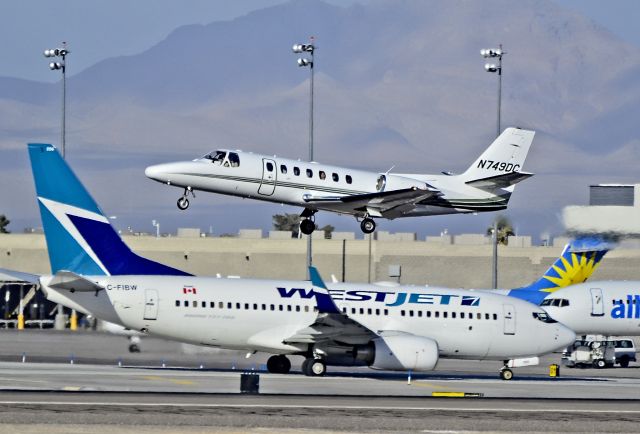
<point x="573" y="268"/>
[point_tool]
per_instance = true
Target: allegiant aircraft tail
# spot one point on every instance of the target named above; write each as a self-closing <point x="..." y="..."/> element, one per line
<point x="79" y="236"/>
<point x="576" y="264"/>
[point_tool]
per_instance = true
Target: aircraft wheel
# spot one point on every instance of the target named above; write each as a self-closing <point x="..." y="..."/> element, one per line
<point x="278" y="365"/>
<point x="314" y="367"/>
<point x="307" y="226"/>
<point x="183" y="203"/>
<point x="506" y="374"/>
<point x="368" y="225"/>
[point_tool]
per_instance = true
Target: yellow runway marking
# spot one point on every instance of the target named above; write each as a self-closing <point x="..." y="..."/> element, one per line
<point x="170" y="380"/>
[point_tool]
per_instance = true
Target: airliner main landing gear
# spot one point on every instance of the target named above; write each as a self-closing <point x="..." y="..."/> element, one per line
<point x="313" y="367"/>
<point x="278" y="364"/>
<point x="183" y="202"/>
<point x="308" y="222"/>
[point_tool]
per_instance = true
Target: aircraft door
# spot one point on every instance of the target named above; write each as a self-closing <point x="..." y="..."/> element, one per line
<point x="150" y="304"/>
<point x="269" y="176"/>
<point x="509" y="319"/>
<point x="597" y="304"/>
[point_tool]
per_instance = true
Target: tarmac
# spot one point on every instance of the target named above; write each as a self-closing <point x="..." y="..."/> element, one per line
<point x="88" y="382"/>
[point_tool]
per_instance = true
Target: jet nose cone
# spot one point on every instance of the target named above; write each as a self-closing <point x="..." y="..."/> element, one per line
<point x="564" y="336"/>
<point x="157" y="172"/>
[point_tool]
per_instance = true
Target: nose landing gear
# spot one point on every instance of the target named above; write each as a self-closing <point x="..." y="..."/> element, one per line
<point x="183" y="202"/>
<point x="308" y="222"/>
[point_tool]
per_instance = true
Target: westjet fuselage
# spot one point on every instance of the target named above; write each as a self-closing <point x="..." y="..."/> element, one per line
<point x="485" y="186"/>
<point x="282" y="317"/>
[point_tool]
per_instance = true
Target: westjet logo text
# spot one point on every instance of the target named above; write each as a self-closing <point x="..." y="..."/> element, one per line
<point x="629" y="310"/>
<point x="390" y="299"/>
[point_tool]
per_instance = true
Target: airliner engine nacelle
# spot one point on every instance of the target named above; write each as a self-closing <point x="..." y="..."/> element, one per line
<point x="404" y="352"/>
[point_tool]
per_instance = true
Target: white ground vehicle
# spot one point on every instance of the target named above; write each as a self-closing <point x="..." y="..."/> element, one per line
<point x="583" y="354"/>
<point x="625" y="351"/>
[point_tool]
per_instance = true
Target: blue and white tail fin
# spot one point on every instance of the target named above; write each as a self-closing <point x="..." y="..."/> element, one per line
<point x="576" y="264"/>
<point x="79" y="237"/>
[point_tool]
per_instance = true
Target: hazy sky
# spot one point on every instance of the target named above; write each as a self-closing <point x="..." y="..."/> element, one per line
<point x="100" y="29"/>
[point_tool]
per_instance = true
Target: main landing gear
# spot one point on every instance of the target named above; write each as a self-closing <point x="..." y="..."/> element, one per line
<point x="312" y="367"/>
<point x="278" y="364"/>
<point x="367" y="225"/>
<point x="183" y="202"/>
<point x="308" y="222"/>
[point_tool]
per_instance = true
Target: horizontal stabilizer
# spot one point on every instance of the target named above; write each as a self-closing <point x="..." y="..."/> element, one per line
<point x="7" y="276"/>
<point x="73" y="282"/>
<point x="499" y="181"/>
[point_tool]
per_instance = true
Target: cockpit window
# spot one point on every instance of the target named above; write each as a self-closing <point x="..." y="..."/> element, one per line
<point x="234" y="159"/>
<point x="216" y="157"/>
<point x="544" y="317"/>
<point x="557" y="302"/>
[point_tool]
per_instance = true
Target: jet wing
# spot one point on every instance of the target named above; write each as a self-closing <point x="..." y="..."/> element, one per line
<point x="331" y="324"/>
<point x="387" y="204"/>
<point x="73" y="282"/>
<point x="499" y="181"/>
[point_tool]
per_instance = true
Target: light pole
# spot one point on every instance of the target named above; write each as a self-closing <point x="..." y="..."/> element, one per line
<point x="492" y="53"/>
<point x="492" y="67"/>
<point x="62" y="53"/>
<point x="156" y="224"/>
<point x="303" y="62"/>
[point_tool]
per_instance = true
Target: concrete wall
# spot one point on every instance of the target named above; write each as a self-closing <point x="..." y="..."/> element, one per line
<point x="465" y="266"/>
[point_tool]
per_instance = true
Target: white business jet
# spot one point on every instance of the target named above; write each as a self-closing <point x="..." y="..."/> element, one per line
<point x="485" y="186"/>
<point x="395" y="328"/>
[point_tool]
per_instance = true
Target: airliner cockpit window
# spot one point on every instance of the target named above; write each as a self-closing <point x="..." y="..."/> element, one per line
<point x="216" y="157"/>
<point x="544" y="317"/>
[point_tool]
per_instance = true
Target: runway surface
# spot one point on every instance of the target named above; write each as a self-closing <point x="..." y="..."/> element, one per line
<point x="93" y="394"/>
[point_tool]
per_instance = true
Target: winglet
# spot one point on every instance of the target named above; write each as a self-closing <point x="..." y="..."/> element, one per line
<point x="323" y="299"/>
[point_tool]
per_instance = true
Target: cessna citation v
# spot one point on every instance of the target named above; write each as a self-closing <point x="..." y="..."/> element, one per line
<point x="393" y="328"/>
<point x="485" y="186"/>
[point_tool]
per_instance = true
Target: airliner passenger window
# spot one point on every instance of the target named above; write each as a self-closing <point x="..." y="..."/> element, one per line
<point x="322" y="175"/>
<point x="348" y="179"/>
<point x="212" y="304"/>
<point x="462" y="315"/>
<point x="309" y="173"/>
<point x="296" y="171"/>
<point x="234" y="159"/>
<point x="195" y="303"/>
<point x="269" y="167"/>
<point x="283" y="169"/>
<point x="495" y="316"/>
<point x="204" y="304"/>
<point x="186" y="303"/>
<point x="177" y="303"/>
<point x="335" y="177"/>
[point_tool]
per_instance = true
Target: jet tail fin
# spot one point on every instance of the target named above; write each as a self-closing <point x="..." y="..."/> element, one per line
<point x="576" y="264"/>
<point x="505" y="155"/>
<point x="79" y="237"/>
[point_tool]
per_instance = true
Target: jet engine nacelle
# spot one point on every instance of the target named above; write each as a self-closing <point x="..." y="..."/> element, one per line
<point x="394" y="182"/>
<point x="405" y="352"/>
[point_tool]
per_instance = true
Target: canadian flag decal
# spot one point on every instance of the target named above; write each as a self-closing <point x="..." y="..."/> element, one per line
<point x="189" y="290"/>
